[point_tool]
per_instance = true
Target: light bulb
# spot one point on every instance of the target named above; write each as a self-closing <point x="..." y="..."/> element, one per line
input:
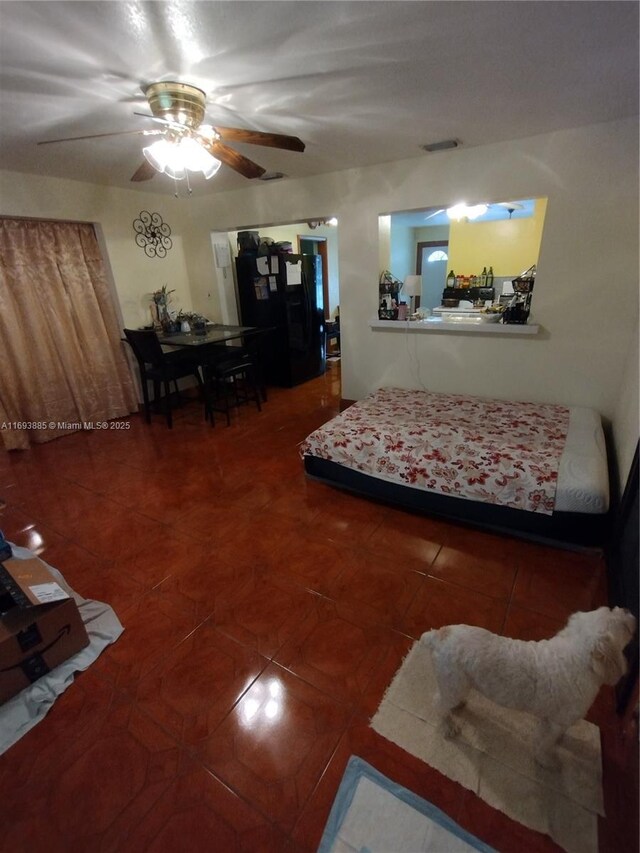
<point x="464" y="211"/>
<point x="174" y="158"/>
<point x="476" y="210"/>
<point x="196" y="158"/>
<point x="165" y="157"/>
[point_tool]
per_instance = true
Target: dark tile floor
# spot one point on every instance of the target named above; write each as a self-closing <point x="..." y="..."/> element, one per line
<point x="264" y="617"/>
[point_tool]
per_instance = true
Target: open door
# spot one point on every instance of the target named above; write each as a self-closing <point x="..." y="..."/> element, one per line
<point x="318" y="246"/>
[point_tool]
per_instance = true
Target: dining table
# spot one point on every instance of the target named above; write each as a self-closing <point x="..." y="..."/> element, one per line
<point x="214" y="333"/>
<point x="220" y="333"/>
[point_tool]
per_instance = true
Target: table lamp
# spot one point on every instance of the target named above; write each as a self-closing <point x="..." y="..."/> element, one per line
<point x="412" y="288"/>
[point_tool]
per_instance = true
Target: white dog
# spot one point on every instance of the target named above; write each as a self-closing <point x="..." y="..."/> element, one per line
<point x="556" y="679"/>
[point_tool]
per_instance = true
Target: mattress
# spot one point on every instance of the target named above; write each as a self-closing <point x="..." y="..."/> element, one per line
<point x="580" y="475"/>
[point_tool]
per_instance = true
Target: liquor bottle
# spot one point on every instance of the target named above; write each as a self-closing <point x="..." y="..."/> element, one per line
<point x="483" y="277"/>
<point x="490" y="277"/>
<point x="451" y="279"/>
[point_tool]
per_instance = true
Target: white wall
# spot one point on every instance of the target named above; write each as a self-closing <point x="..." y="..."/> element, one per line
<point x="586" y="289"/>
<point x="587" y="283"/>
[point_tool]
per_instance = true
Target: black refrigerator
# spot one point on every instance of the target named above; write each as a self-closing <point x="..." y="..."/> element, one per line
<point x="284" y="293"/>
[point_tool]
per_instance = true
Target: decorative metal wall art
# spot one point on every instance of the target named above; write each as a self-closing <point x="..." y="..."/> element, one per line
<point x="152" y="234"/>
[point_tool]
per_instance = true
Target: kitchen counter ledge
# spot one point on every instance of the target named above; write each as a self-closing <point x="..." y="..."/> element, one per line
<point x="457" y="327"/>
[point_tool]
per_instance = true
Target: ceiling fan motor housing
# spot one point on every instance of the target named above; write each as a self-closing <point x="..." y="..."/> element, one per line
<point x="177" y="102"/>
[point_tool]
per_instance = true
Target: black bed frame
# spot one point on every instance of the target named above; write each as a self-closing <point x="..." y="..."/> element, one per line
<point x="561" y="529"/>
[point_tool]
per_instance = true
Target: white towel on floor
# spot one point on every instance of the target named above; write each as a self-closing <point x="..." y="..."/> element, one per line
<point x="493" y="756"/>
<point x="22" y="712"/>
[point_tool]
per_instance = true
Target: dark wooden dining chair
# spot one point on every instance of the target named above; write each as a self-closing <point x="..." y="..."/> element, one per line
<point x="162" y="368"/>
<point x="244" y="348"/>
<point x="229" y="379"/>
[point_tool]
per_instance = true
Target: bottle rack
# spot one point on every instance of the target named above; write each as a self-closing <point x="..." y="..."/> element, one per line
<point x="518" y="314"/>
<point x="389" y="288"/>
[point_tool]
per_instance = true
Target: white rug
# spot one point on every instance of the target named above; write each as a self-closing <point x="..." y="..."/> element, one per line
<point x="493" y="757"/>
<point x="24" y="711"/>
<point x="373" y="814"/>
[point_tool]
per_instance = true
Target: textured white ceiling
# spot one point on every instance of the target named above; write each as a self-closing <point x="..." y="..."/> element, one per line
<point x="360" y="82"/>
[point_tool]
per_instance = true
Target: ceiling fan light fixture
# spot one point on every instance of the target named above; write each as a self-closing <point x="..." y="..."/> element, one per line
<point x="314" y="223"/>
<point x="160" y="154"/>
<point x="196" y="158"/>
<point x="465" y="211"/>
<point x="208" y="132"/>
<point x="175" y="158"/>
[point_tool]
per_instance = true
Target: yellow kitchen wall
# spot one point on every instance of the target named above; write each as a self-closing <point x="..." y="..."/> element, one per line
<point x="510" y="246"/>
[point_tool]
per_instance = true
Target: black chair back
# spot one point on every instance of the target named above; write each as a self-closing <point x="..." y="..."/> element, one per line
<point x="145" y="345"/>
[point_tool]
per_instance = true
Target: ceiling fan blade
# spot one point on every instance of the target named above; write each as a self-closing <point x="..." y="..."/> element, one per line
<point x="144" y="172"/>
<point x="257" y="137"/>
<point x="98" y="135"/>
<point x="233" y="159"/>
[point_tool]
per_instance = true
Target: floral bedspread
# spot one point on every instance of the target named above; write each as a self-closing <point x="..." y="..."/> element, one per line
<point x="486" y="450"/>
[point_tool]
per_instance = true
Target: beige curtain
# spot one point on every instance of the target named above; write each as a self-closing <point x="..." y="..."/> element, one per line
<point x="61" y="359"/>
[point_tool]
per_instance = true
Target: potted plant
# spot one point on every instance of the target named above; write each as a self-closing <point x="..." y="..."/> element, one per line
<point x="192" y="321"/>
<point x="183" y="321"/>
<point x="161" y="299"/>
<point x="199" y="324"/>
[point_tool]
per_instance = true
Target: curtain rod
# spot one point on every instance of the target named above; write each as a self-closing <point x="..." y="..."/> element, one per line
<point x="47" y="219"/>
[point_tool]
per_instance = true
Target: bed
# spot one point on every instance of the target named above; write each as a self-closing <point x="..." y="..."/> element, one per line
<point x="529" y="469"/>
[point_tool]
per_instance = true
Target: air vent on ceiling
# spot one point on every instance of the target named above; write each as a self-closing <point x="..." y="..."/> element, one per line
<point x="445" y="145"/>
<point x="272" y="176"/>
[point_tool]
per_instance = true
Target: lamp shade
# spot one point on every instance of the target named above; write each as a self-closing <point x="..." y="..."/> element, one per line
<point x="198" y="159"/>
<point x="165" y="157"/>
<point x="413" y="285"/>
<point x="174" y="158"/>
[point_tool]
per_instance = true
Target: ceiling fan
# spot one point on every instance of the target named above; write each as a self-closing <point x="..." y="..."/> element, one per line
<point x="462" y="211"/>
<point x="184" y="143"/>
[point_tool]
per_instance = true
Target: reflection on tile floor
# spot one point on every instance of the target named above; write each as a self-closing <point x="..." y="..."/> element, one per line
<point x="265" y="616"/>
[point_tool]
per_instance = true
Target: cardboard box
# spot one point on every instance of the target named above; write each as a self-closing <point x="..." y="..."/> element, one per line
<point x="40" y="625"/>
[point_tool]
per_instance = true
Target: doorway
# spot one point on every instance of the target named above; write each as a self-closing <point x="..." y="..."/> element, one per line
<point x="431" y="264"/>
<point x="318" y="246"/>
